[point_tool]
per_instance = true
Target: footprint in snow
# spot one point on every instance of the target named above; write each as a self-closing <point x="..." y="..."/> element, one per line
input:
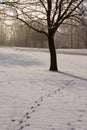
<point x="27" y="124"/>
<point x="42" y="89"/>
<point x="21" y="127"/>
<point x="81" y="115"/>
<point x="81" y="110"/>
<point x="49" y="95"/>
<point x="41" y="98"/>
<point x="21" y="122"/>
<point x="28" y="117"/>
<point x="55" y="92"/>
<point x="80" y="120"/>
<point x="13" y="120"/>
<point x="68" y="123"/>
<point x="32" y="107"/>
<point x="33" y="111"/>
<point x="27" y="113"/>
<point x="72" y="129"/>
<point x="38" y="104"/>
<point x="35" y="101"/>
<point x="58" y="89"/>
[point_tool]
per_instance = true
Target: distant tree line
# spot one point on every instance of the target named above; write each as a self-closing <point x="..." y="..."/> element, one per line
<point x="17" y="34"/>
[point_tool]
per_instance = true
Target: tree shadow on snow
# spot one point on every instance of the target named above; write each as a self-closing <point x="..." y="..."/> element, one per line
<point x="73" y="76"/>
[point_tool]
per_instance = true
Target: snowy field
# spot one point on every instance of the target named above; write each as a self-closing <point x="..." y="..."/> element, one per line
<point x="32" y="98"/>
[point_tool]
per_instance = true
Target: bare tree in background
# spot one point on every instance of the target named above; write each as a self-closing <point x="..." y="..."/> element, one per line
<point x="43" y="16"/>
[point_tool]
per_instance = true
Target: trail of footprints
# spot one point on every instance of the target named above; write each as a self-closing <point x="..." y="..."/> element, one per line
<point x="80" y="120"/>
<point x="22" y="123"/>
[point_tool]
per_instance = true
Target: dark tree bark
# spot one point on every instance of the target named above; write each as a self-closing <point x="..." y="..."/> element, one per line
<point x="53" y="57"/>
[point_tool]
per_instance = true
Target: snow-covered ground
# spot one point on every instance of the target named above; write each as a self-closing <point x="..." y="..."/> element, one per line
<point x="32" y="98"/>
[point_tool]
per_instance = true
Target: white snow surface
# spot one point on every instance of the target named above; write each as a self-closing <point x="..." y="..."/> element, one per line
<point x="33" y="98"/>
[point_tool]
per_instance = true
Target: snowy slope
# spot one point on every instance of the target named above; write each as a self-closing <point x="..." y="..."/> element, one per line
<point x="32" y="98"/>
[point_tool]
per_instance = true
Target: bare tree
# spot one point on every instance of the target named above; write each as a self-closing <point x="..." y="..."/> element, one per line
<point x="48" y="14"/>
<point x="84" y="21"/>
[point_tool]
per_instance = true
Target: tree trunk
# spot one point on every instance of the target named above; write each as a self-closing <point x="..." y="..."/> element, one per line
<point x="53" y="58"/>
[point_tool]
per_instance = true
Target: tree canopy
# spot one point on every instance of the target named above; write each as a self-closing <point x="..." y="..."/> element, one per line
<point x="45" y="13"/>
